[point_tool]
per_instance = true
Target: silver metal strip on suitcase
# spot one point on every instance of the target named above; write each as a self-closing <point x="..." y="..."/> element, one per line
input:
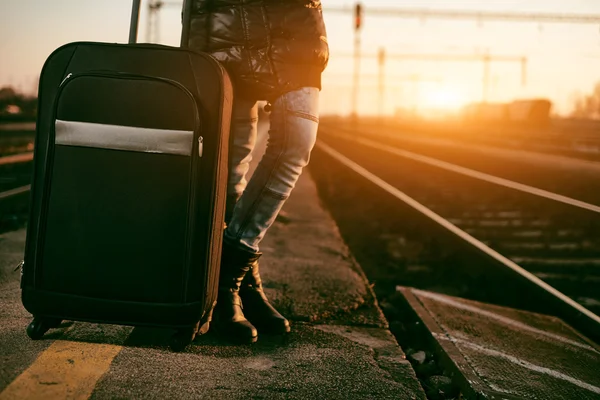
<point x="128" y="138"/>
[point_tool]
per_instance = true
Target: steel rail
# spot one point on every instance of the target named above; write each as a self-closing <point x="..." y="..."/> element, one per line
<point x="476" y="174"/>
<point x="572" y="312"/>
<point x="16" y="158"/>
<point x="14" y="192"/>
<point x="18" y="126"/>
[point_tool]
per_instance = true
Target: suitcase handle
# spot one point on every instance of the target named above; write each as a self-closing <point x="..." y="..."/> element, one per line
<point x="185" y="16"/>
<point x="135" y="19"/>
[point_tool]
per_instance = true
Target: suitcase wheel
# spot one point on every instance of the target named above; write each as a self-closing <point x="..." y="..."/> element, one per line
<point x="54" y="322"/>
<point x="181" y="339"/>
<point x="39" y="326"/>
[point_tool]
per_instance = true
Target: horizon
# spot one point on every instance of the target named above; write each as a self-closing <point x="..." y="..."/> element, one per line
<point x="563" y="60"/>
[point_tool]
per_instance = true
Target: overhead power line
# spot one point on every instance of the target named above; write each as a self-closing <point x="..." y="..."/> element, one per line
<point x="472" y="15"/>
<point x="438" y="57"/>
<point x="154" y="7"/>
<point x="485" y="59"/>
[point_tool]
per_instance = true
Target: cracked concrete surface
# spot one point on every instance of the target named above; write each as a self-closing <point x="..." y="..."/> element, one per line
<point x="339" y="348"/>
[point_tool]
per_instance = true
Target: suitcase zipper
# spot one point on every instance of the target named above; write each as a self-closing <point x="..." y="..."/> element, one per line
<point x="20" y="267"/>
<point x="125" y="75"/>
<point x="50" y="149"/>
<point x="66" y="77"/>
<point x="215" y="271"/>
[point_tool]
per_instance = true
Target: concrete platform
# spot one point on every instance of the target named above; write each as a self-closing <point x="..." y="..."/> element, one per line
<point x="340" y="346"/>
<point x="502" y="353"/>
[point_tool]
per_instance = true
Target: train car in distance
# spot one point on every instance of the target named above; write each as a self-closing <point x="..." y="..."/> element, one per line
<point x="534" y="112"/>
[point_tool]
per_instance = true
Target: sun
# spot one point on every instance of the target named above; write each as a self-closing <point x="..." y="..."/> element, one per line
<point x="441" y="98"/>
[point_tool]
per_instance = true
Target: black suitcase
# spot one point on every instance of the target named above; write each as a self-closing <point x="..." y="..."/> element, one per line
<point x="129" y="187"/>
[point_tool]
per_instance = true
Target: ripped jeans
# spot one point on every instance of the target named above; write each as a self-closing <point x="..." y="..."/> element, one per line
<point x="253" y="206"/>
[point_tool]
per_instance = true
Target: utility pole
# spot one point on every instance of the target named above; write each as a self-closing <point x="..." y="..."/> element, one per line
<point x="486" y="78"/>
<point x="135" y="17"/>
<point x="474" y="15"/>
<point x="381" y="81"/>
<point x="486" y="60"/>
<point x="152" y="31"/>
<point x="357" y="26"/>
<point x="486" y="73"/>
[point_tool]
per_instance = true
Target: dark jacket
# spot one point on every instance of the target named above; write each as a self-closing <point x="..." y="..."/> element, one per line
<point x="269" y="47"/>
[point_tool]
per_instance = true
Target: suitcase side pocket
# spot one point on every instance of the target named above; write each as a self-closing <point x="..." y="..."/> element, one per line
<point x="144" y="164"/>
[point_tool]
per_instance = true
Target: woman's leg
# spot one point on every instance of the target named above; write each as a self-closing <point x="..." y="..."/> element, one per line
<point x="294" y="122"/>
<point x="234" y="263"/>
<point x="293" y="132"/>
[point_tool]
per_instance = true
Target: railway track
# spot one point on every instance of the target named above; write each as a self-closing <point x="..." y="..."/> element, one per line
<point x="568" y="139"/>
<point x="16" y="138"/>
<point x="413" y="220"/>
<point x="552" y="237"/>
<point x="16" y="162"/>
<point x="15" y="177"/>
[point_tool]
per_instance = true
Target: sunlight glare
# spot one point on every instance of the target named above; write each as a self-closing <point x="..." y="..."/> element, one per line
<point x="442" y="98"/>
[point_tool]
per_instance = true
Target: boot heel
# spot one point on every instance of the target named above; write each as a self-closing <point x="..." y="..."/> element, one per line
<point x="259" y="310"/>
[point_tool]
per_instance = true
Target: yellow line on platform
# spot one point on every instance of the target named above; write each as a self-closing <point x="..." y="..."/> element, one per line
<point x="66" y="370"/>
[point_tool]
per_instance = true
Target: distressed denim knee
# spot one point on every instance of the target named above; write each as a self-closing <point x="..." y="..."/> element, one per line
<point x="294" y="123"/>
<point x="293" y="132"/>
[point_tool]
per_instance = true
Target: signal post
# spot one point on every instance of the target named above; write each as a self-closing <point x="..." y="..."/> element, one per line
<point x="357" y="26"/>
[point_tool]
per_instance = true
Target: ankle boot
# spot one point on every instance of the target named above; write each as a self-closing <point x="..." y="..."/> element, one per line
<point x="258" y="309"/>
<point x="228" y="316"/>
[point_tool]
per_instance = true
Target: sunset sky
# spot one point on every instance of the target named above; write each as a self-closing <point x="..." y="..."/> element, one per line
<point x="563" y="59"/>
